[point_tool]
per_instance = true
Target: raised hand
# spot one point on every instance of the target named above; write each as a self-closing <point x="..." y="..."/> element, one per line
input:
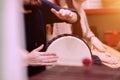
<point x="65" y="14"/>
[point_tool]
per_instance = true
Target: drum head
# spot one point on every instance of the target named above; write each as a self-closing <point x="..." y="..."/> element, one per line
<point x="70" y="50"/>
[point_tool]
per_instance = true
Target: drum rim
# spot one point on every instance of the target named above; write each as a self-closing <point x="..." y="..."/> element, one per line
<point x="61" y="35"/>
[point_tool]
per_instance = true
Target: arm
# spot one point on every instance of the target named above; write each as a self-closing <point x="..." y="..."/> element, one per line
<point x="54" y="13"/>
<point x="87" y="33"/>
<point x="90" y="35"/>
<point x="65" y="15"/>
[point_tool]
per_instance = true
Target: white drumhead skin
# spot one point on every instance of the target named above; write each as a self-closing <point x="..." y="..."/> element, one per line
<point x="70" y="50"/>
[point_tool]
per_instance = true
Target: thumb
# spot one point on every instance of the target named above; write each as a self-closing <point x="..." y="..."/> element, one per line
<point x="39" y="48"/>
<point x="55" y="12"/>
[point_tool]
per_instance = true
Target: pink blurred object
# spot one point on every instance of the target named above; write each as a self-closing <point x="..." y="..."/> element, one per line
<point x="87" y="62"/>
<point x="112" y="37"/>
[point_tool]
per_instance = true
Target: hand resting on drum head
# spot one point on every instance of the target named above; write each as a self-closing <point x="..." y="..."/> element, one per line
<point x="101" y="50"/>
<point x="110" y="58"/>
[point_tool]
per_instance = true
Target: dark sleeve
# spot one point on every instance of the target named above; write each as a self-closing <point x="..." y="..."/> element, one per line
<point x="49" y="16"/>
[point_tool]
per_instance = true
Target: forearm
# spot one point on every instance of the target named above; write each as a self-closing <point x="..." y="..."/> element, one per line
<point x="87" y="33"/>
<point x="52" y="18"/>
<point x="46" y="9"/>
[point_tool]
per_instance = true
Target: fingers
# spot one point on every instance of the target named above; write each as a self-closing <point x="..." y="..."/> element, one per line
<point x="50" y="60"/>
<point x="108" y="59"/>
<point x="98" y="44"/>
<point x="45" y="60"/>
<point x="42" y="58"/>
<point x="39" y="48"/>
<point x="66" y="15"/>
<point x="48" y="57"/>
<point x="55" y="12"/>
<point x="62" y="13"/>
<point x="47" y="54"/>
<point x="101" y="48"/>
<point x="42" y="64"/>
<point x="105" y="57"/>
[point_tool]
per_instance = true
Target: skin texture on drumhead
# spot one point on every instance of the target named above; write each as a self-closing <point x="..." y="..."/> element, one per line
<point x="70" y="50"/>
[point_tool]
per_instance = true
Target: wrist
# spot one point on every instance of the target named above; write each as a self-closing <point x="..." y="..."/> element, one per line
<point x="91" y="37"/>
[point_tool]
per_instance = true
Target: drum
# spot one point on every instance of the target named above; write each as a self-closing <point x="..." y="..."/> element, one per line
<point x="70" y="50"/>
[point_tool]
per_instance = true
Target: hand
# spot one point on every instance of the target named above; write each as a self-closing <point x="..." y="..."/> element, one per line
<point x="97" y="44"/>
<point x="65" y="14"/>
<point x="105" y="57"/>
<point x="36" y="58"/>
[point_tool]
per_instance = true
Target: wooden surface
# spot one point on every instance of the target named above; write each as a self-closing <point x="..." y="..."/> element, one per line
<point x="78" y="73"/>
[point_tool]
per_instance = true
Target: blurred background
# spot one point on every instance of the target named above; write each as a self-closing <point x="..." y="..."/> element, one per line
<point x="104" y="19"/>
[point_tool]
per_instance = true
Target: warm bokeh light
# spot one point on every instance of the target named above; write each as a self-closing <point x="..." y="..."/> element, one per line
<point x="111" y="3"/>
<point x="102" y="4"/>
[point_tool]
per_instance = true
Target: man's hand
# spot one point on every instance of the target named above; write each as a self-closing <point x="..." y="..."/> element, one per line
<point x="36" y="58"/>
<point x="65" y="14"/>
